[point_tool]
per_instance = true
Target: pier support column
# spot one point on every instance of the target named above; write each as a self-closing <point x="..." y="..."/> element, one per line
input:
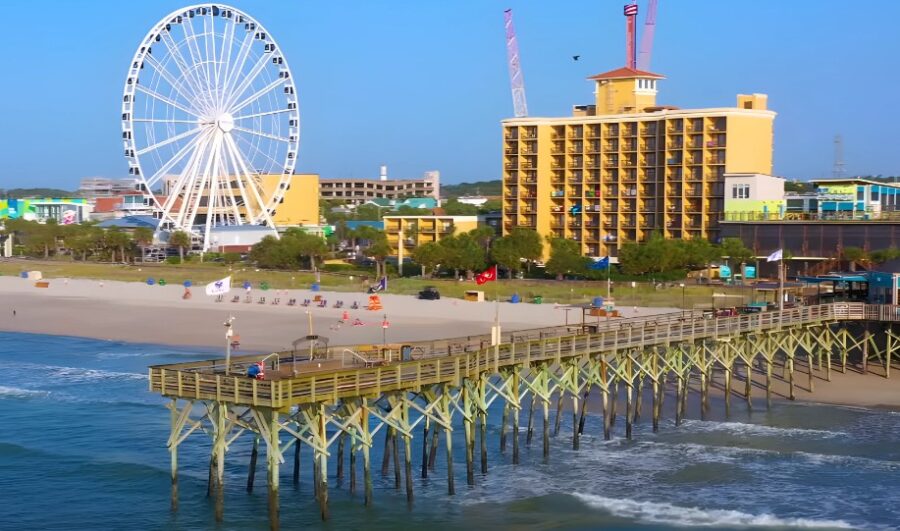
<point x="482" y="416"/>
<point x="790" y="369"/>
<point x="354" y="446"/>
<point x="321" y="462"/>
<point x="583" y="413"/>
<point x="529" y="432"/>
<point x="339" y="473"/>
<point x="613" y="408"/>
<point x="504" y="422"/>
<point x="251" y="472"/>
<point x="448" y="437"/>
<point x="769" y="382"/>
<point x="604" y="384"/>
<point x="296" y="472"/>
<point x="177" y="420"/>
<point x="545" y="405"/>
<point x="516" y="406"/>
<point x="366" y="444"/>
<point x="728" y="366"/>
<point x="639" y="397"/>
<point x="469" y="431"/>
<point x="219" y="414"/>
<point x="425" y="430"/>
<point x="559" y="407"/>
<point x="273" y="458"/>
<point x="407" y="449"/>
<point x="629" y="392"/>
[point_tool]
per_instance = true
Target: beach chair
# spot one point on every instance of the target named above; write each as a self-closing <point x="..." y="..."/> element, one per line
<point x="338" y="304"/>
<point x="292" y="302"/>
<point x="220" y="298"/>
<point x="236" y="298"/>
<point x="248" y="300"/>
<point x="305" y="303"/>
<point x="276" y="301"/>
<point x="354" y="306"/>
<point x="262" y="300"/>
<point x="323" y="303"/>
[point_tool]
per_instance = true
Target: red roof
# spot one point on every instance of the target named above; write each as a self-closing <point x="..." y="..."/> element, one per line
<point x="107" y="204"/>
<point x="624" y="73"/>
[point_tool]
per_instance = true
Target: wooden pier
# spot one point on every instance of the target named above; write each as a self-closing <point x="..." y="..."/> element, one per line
<point x="338" y="401"/>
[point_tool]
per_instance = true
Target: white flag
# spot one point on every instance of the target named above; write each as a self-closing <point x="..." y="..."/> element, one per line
<point x="219" y="287"/>
<point x="774" y="257"/>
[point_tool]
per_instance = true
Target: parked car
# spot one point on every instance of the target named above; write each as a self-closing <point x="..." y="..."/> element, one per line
<point x="430" y="293"/>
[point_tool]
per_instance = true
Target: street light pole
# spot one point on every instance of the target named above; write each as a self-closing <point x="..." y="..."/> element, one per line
<point x="682" y="299"/>
<point x="229" y="333"/>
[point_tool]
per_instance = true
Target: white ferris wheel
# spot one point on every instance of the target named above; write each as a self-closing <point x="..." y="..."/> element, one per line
<point x="210" y="120"/>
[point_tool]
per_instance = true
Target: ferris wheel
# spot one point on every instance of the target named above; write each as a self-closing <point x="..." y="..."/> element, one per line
<point x="210" y="120"/>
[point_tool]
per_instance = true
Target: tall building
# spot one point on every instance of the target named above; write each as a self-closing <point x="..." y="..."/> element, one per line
<point x="405" y="233"/>
<point x="103" y="186"/>
<point x="362" y="190"/>
<point x="623" y="168"/>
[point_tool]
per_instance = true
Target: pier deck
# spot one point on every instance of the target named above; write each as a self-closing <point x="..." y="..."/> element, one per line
<point x="352" y="392"/>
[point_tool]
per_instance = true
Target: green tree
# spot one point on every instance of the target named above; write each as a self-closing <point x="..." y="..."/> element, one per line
<point x="735" y="250"/>
<point x="430" y="256"/>
<point x="463" y="253"/>
<point x="853" y="255"/>
<point x="368" y="213"/>
<point x="454" y="208"/>
<point x="505" y="252"/>
<point x="181" y="240"/>
<point x="697" y="253"/>
<point x="143" y="236"/>
<point x="566" y="258"/>
<point x="117" y="240"/>
<point x="483" y="235"/>
<point x="883" y="255"/>
<point x="491" y="205"/>
<point x="376" y="246"/>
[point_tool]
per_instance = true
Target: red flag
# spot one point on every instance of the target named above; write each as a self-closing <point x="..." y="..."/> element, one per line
<point x="488" y="275"/>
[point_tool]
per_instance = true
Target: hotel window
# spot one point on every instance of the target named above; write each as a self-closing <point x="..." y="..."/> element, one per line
<point x="740" y="191"/>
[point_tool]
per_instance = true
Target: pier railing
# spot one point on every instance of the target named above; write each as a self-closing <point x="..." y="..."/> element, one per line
<point x="304" y="381"/>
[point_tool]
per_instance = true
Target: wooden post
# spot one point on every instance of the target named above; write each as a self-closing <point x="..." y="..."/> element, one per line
<point x="613" y="408"/>
<point x="575" y="421"/>
<point x="790" y="368"/>
<point x="515" y="413"/>
<point x="865" y="349"/>
<point x="322" y="459"/>
<point x="448" y="437"/>
<point x="769" y="381"/>
<point x="395" y="449"/>
<point x="407" y="452"/>
<point x="272" y="465"/>
<point x="604" y="380"/>
<point x="809" y="366"/>
<point x="639" y="397"/>
<point x="432" y="457"/>
<point x="728" y="368"/>
<point x="469" y="431"/>
<point x="425" y="447"/>
<point x="679" y="383"/>
<point x="297" y="446"/>
<point x="546" y="408"/>
<point x="386" y="455"/>
<point x="339" y="473"/>
<point x="656" y="404"/>
<point x="173" y="453"/>
<point x="367" y="465"/>
<point x="559" y="407"/>
<point x="704" y="391"/>
<point x="483" y="427"/>
<point x="251" y="473"/>
<point x="889" y="347"/>
<point x="581" y="418"/>
<point x="530" y="431"/>
<point x="221" y="414"/>
<point x="748" y="384"/>
<point x="628" y="397"/>
<point x="503" y="424"/>
<point x="353" y="449"/>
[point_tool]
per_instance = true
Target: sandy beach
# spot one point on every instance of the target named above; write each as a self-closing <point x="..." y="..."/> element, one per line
<point x="137" y="312"/>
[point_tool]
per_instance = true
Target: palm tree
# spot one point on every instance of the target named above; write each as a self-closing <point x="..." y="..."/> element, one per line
<point x="180" y="239"/>
<point x="143" y="236"/>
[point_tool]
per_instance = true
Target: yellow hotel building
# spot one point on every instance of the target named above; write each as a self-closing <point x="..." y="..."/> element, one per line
<point x="624" y="168"/>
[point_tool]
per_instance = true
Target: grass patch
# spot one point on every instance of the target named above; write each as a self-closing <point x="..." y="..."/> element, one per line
<point x="552" y="291"/>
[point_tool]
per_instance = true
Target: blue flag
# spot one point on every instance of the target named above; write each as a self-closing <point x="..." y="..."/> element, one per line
<point x="600" y="265"/>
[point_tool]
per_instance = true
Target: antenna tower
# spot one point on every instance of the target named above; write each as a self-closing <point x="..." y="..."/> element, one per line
<point x="515" y="68"/>
<point x="643" y="62"/>
<point x="838" y="170"/>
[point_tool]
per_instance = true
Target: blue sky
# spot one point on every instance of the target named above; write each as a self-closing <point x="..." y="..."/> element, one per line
<point x="422" y="85"/>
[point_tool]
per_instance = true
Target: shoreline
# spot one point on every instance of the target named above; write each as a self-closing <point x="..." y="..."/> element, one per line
<point x="138" y="313"/>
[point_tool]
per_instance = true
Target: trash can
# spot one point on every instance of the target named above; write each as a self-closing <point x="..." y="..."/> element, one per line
<point x="314" y="287"/>
<point x="515" y="299"/>
<point x="538" y="299"/>
<point x="597" y="302"/>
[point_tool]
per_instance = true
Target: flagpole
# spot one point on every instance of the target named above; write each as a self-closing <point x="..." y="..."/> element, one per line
<point x="781" y="284"/>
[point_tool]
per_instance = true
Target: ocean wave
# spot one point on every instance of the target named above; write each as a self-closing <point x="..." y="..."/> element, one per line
<point x="743" y="428"/>
<point x="16" y="392"/>
<point x="666" y="513"/>
<point x="77" y="374"/>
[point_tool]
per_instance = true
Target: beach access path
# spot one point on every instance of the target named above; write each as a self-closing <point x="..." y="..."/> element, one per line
<point x="137" y="312"/>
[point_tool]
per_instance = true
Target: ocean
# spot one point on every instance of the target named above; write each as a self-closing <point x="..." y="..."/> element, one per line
<point x="82" y="445"/>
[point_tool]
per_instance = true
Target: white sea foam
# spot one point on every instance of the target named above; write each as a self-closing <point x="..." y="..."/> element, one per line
<point x="666" y="513"/>
<point x="743" y="428"/>
<point x="15" y="392"/>
<point x="79" y="374"/>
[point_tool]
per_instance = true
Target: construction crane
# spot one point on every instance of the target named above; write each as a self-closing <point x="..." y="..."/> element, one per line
<point x="643" y="62"/>
<point x="517" y="83"/>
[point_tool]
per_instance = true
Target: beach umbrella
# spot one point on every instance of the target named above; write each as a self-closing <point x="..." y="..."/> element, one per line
<point x="247" y="284"/>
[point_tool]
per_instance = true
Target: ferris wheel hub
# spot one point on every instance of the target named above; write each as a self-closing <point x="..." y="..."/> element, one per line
<point x="225" y="122"/>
